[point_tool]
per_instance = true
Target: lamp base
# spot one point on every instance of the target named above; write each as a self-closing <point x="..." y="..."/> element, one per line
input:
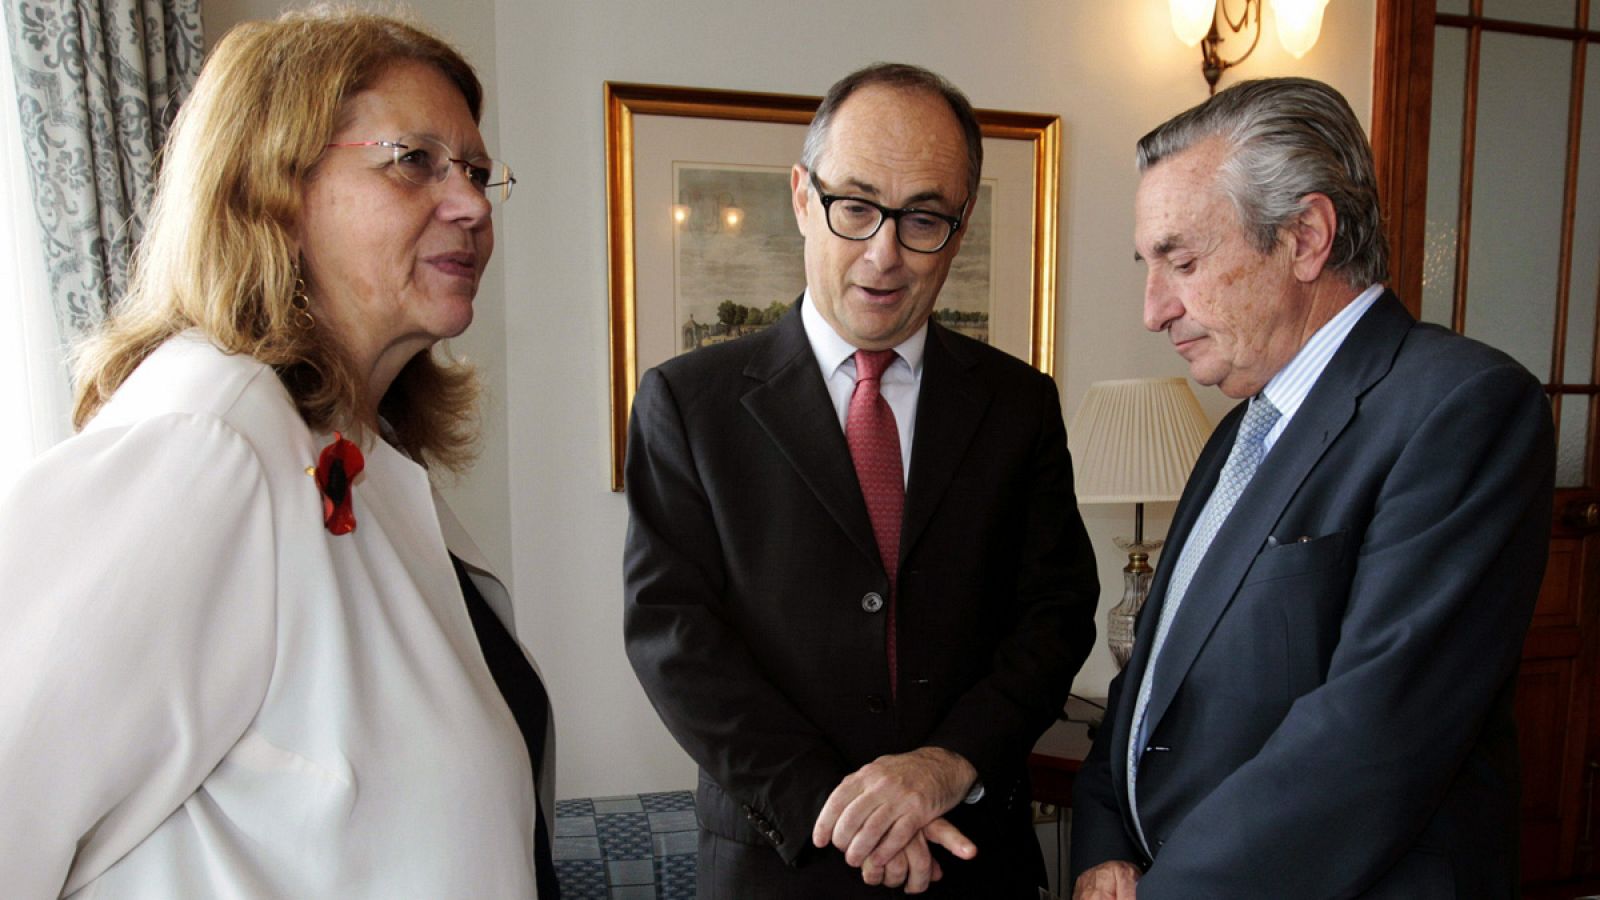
<point x="1121" y="619"/>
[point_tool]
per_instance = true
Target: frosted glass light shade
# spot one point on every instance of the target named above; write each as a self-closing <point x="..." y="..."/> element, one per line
<point x="1299" y="24"/>
<point x="1191" y="19"/>
<point x="1135" y="440"/>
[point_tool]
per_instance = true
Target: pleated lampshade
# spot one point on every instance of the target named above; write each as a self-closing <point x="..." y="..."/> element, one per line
<point x="1135" y="440"/>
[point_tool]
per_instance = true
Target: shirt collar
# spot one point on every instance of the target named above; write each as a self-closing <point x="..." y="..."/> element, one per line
<point x="832" y="350"/>
<point x="1289" y="388"/>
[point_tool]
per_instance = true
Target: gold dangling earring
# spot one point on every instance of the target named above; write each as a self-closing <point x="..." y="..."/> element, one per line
<point x="301" y="304"/>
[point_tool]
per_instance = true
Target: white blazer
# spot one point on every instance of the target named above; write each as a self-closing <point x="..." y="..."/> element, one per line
<point x="204" y="693"/>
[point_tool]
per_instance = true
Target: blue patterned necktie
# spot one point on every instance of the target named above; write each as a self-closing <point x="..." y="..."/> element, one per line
<point x="1248" y="449"/>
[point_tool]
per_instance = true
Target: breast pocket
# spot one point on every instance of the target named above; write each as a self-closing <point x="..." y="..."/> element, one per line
<point x="1296" y="557"/>
<point x="1302" y="587"/>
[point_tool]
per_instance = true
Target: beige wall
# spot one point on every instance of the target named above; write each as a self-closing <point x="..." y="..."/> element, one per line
<point x="539" y="502"/>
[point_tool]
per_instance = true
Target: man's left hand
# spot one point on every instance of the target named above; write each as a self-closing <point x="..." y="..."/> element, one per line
<point x="876" y="811"/>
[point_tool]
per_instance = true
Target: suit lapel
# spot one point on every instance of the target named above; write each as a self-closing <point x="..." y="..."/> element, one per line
<point x="1361" y="361"/>
<point x="1206" y="471"/>
<point x="950" y="404"/>
<point x="790" y="401"/>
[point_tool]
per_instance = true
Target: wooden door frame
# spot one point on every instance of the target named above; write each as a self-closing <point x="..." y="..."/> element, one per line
<point x="1402" y="85"/>
<point x="1401" y="118"/>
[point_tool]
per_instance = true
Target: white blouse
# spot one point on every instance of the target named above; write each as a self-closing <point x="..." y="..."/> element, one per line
<point x="204" y="693"/>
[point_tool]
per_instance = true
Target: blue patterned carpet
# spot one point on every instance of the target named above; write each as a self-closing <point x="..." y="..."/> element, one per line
<point x="634" y="847"/>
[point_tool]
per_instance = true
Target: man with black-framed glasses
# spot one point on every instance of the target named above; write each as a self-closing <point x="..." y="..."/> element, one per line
<point x="858" y="587"/>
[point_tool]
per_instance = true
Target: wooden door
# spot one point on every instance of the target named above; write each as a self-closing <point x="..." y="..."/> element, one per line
<point x="1486" y="124"/>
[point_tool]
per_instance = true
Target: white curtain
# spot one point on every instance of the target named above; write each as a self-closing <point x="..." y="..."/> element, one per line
<point x="34" y="396"/>
<point x="89" y="90"/>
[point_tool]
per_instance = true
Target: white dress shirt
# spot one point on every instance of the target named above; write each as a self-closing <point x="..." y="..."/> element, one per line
<point x="1289" y="388"/>
<point x="205" y="694"/>
<point x="900" y="384"/>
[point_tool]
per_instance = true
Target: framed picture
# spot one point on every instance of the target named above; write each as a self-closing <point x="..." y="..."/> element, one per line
<point x="703" y="245"/>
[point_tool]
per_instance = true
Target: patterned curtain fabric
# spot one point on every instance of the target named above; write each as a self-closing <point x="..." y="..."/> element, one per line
<point x="98" y="83"/>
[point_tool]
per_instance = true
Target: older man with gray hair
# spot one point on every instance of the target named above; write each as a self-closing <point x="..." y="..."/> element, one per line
<point x="1319" y="701"/>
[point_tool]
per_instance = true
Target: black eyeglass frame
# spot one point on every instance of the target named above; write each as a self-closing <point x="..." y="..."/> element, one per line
<point x="885" y="213"/>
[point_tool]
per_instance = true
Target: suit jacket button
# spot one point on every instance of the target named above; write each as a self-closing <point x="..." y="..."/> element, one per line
<point x="875" y="704"/>
<point x="872" y="602"/>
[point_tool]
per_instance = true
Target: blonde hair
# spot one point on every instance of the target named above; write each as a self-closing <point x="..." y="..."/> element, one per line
<point x="218" y="255"/>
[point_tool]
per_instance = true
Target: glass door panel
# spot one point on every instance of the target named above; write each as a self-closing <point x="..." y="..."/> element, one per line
<point x="1444" y="176"/>
<point x="1514" y="249"/>
<point x="1585" y="291"/>
<point x="1572" y="441"/>
<point x="1560" y="13"/>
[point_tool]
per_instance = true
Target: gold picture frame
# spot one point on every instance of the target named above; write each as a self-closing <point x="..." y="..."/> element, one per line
<point x="1034" y="167"/>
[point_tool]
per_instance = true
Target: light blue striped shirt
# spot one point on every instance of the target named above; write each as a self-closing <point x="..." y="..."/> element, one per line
<point x="1288" y="389"/>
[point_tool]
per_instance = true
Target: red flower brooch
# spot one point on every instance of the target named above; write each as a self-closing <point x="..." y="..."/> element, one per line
<point x="338" y="466"/>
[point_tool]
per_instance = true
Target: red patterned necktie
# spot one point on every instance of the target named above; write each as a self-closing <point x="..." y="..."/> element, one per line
<point x="875" y="449"/>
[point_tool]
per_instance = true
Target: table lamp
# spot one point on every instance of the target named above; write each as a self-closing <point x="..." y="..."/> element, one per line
<point x="1134" y="441"/>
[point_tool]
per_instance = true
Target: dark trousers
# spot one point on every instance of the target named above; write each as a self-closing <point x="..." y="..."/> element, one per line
<point x="731" y="870"/>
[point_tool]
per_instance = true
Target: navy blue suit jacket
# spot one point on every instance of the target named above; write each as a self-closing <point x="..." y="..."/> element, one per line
<point x="1332" y="713"/>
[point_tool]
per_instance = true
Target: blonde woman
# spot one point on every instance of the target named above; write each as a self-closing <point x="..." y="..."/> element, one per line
<point x="247" y="652"/>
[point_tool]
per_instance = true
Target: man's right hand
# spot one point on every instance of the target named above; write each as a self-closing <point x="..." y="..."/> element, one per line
<point x="912" y="869"/>
<point x="876" y="811"/>
<point x="1112" y="880"/>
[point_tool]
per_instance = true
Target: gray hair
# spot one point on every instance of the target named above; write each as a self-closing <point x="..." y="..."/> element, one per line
<point x="1288" y="137"/>
<point x="904" y="77"/>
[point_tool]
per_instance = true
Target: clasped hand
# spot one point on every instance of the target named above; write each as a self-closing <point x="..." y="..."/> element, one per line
<point x="1112" y="880"/>
<point x="884" y="815"/>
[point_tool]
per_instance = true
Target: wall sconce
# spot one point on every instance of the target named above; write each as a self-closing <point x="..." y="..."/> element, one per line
<point x="1195" y="22"/>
